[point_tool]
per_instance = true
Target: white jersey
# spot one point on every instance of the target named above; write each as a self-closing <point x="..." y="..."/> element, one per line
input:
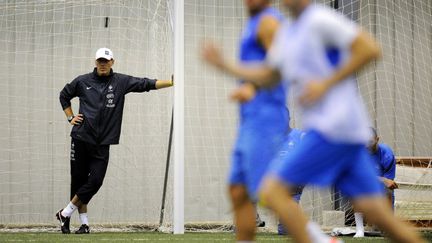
<point x="310" y="49"/>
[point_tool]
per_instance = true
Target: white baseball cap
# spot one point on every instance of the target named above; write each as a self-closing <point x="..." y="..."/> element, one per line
<point x="104" y="53"/>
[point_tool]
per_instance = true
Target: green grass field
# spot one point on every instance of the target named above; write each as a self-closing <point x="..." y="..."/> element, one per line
<point x="155" y="237"/>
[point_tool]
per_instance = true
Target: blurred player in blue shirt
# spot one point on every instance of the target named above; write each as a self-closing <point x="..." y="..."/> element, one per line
<point x="384" y="162"/>
<point x="263" y="119"/>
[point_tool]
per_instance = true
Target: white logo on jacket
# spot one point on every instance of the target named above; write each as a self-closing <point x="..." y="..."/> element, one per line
<point x="110" y="97"/>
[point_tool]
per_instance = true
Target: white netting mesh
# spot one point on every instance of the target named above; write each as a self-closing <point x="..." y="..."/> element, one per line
<point x="46" y="44"/>
<point x="398" y="95"/>
<point x="211" y="119"/>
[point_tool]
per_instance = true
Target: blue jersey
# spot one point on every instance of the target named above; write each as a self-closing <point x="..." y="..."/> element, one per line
<point x="263" y="120"/>
<point x="384" y="161"/>
<point x="267" y="101"/>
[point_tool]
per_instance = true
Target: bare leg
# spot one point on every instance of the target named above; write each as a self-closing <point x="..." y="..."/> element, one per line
<point x="82" y="208"/>
<point x="83" y="214"/>
<point x="389" y="196"/>
<point x="76" y="201"/>
<point x="244" y="213"/>
<point x="377" y="211"/>
<point x="278" y="198"/>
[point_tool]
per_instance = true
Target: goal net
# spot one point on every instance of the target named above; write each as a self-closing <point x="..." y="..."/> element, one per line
<point x="396" y="90"/>
<point x="47" y="43"/>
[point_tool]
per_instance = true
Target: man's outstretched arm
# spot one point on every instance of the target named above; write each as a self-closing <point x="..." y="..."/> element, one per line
<point x="260" y="75"/>
<point x="134" y="84"/>
<point x="160" y="84"/>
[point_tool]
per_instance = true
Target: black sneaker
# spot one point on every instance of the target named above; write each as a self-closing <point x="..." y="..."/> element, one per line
<point x="259" y="223"/>
<point x="64" y="222"/>
<point x="83" y="229"/>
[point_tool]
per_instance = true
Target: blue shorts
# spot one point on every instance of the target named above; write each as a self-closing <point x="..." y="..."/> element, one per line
<point x="255" y="149"/>
<point x="291" y="142"/>
<point x="317" y="161"/>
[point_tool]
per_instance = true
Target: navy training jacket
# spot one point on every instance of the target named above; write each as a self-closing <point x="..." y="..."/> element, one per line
<point x="101" y="101"/>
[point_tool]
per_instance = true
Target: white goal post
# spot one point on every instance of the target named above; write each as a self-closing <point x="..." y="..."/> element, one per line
<point x="179" y="141"/>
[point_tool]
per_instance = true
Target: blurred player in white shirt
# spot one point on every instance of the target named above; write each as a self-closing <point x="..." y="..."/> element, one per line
<point x="318" y="53"/>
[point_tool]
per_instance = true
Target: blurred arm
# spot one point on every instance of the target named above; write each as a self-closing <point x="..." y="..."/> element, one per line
<point x="259" y="75"/>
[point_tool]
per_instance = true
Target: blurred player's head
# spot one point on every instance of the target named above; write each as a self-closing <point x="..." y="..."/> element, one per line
<point x="373" y="142"/>
<point x="296" y="7"/>
<point x="104" y="61"/>
<point x="255" y="6"/>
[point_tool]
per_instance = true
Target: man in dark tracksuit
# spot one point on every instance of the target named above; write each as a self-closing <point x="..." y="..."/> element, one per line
<point x="101" y="95"/>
